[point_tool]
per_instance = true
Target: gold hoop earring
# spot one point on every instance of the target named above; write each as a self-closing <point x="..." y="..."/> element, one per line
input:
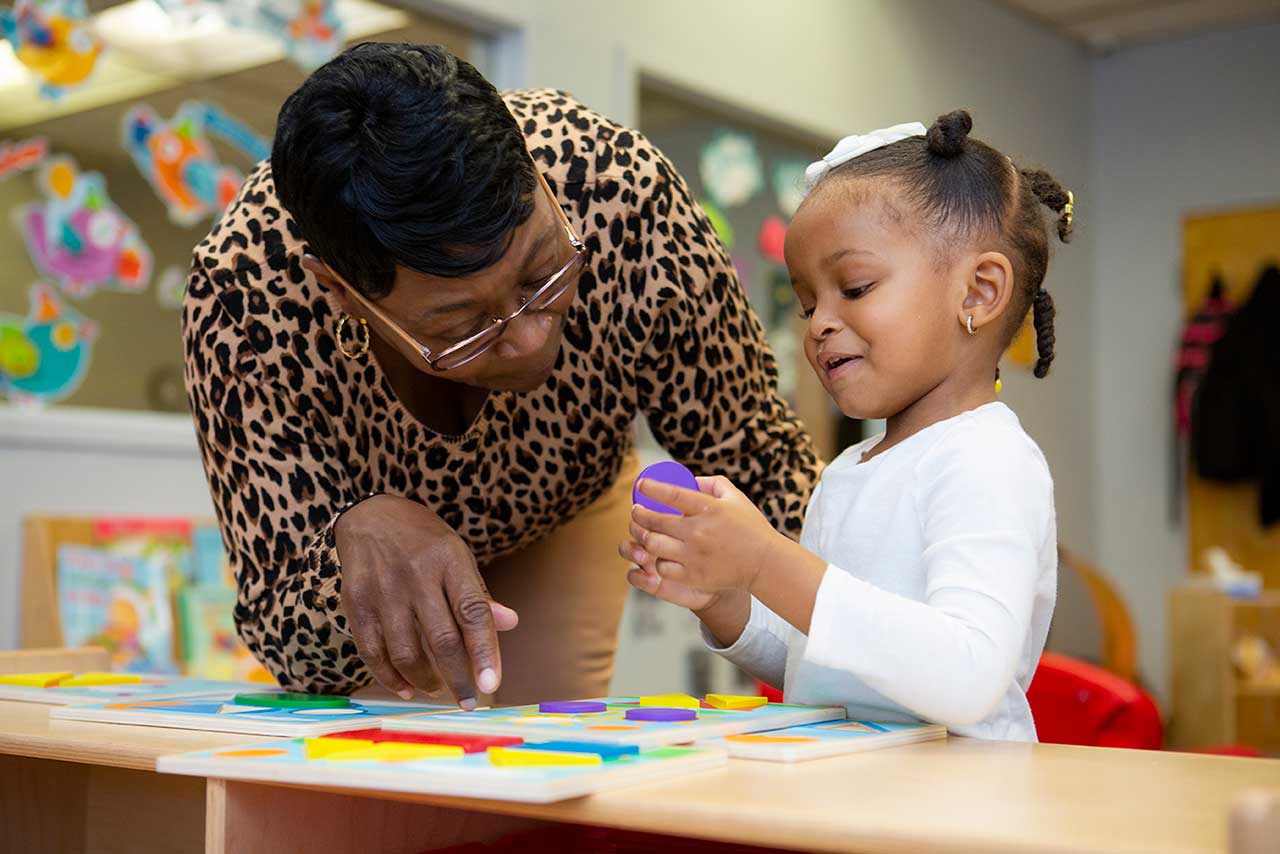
<point x="363" y="336"/>
<point x="968" y="324"/>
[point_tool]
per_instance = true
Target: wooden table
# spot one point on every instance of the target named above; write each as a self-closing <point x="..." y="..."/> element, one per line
<point x="70" y="786"/>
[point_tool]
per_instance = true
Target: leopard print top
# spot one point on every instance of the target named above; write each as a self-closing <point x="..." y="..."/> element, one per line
<point x="291" y="432"/>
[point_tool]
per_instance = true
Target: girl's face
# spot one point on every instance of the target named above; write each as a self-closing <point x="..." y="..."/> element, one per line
<point x="882" y="313"/>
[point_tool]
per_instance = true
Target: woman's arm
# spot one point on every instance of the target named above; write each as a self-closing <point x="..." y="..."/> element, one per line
<point x="329" y="577"/>
<point x="706" y="378"/>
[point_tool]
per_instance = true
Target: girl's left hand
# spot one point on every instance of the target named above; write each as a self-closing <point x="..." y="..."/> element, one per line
<point x="720" y="543"/>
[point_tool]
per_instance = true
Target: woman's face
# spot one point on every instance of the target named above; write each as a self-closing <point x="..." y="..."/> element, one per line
<point x="439" y="312"/>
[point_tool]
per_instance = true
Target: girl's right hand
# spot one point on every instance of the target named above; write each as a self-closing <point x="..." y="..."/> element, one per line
<point x="650" y="582"/>
<point x="723" y="612"/>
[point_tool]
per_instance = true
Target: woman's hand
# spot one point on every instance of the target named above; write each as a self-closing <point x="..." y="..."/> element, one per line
<point x="415" y="602"/>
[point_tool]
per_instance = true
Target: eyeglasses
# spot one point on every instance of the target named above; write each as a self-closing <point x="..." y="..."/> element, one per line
<point x="460" y="353"/>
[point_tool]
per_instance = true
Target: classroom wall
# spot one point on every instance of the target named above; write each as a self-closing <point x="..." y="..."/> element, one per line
<point x="834" y="67"/>
<point x="826" y="66"/>
<point x="1178" y="127"/>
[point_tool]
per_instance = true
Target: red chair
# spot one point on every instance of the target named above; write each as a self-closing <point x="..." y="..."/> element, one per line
<point x="1077" y="703"/>
<point x="774" y="695"/>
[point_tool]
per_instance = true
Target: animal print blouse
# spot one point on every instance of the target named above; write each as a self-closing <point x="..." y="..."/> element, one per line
<point x="291" y="431"/>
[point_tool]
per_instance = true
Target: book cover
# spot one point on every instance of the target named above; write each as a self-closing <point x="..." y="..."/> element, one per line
<point x="120" y="602"/>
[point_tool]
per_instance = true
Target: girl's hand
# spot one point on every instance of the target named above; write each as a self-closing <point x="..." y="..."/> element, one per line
<point x="674" y="592"/>
<point x="720" y="543"/>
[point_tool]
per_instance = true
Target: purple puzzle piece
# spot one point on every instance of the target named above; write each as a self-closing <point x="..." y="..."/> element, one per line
<point x="670" y="472"/>
<point x="653" y="714"/>
<point x="571" y="707"/>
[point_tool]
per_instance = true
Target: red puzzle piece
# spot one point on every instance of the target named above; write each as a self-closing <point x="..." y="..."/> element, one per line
<point x="468" y="742"/>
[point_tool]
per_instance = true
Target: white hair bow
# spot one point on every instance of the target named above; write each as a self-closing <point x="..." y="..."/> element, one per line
<point x="856" y="145"/>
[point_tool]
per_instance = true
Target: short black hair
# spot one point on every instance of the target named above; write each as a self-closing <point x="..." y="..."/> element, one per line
<point x="401" y="154"/>
<point x="964" y="188"/>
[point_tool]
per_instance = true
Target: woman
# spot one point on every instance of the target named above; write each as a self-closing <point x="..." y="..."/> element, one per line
<point x="416" y="344"/>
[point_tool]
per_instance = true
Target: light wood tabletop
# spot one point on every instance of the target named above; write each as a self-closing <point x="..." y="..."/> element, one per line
<point x="957" y="794"/>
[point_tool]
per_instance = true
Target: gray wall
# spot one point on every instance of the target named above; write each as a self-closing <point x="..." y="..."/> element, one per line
<point x="1186" y="126"/>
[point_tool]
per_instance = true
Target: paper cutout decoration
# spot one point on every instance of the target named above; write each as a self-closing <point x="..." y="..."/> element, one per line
<point x="730" y="168"/>
<point x="309" y="30"/>
<point x="45" y="355"/>
<point x="719" y="222"/>
<point x="170" y="287"/>
<point x="788" y="186"/>
<point x="54" y="40"/>
<point x="772" y="238"/>
<point x="20" y="156"/>
<point x="79" y="238"/>
<point x="179" y="163"/>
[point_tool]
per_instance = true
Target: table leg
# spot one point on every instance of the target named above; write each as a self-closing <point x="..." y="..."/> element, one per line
<point x="65" y="807"/>
<point x="242" y="816"/>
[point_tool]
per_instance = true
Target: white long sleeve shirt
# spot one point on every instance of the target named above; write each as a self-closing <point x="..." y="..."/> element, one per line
<point x="941" y="579"/>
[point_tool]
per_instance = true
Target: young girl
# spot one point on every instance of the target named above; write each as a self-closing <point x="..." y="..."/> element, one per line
<point x="925" y="577"/>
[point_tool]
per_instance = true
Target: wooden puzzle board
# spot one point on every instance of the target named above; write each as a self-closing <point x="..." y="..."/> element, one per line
<point x="153" y="686"/>
<point x="219" y="713"/>
<point x="612" y="727"/>
<point x="469" y="775"/>
<point x="815" y="741"/>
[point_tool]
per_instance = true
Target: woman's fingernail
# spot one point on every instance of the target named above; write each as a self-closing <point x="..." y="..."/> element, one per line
<point x="488" y="680"/>
<point x="468" y="705"/>
<point x="405" y="694"/>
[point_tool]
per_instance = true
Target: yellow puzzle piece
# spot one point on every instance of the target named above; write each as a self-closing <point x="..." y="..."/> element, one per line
<point x="34" y="680"/>
<point x="87" y="679"/>
<point x="394" y="751"/>
<point x="671" y="701"/>
<point x="511" y="757"/>
<point x="735" y="702"/>
<point x="318" y="748"/>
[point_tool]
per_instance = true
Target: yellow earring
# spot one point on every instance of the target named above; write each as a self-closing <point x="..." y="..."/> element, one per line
<point x="363" y="337"/>
<point x="968" y="324"/>
<point x="999" y="385"/>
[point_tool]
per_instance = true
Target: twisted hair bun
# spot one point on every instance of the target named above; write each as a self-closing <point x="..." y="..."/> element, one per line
<point x="947" y="136"/>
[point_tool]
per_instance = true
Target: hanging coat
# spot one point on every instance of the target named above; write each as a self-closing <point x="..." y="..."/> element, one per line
<point x="1235" y="423"/>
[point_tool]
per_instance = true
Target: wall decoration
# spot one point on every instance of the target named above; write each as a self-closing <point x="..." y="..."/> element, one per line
<point x="45" y="355"/>
<point x="179" y="163"/>
<point x="78" y="237"/>
<point x="788" y="186"/>
<point x="772" y="238"/>
<point x="309" y="30"/>
<point x="170" y="287"/>
<point x="54" y="40"/>
<point x="730" y="168"/>
<point x="21" y="156"/>
<point x="724" y="228"/>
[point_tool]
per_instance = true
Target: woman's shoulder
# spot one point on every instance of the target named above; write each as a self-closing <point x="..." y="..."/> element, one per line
<point x="248" y="287"/>
<point x="577" y="144"/>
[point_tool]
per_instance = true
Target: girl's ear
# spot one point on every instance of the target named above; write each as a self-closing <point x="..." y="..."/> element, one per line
<point x="988" y="289"/>
<point x="326" y="277"/>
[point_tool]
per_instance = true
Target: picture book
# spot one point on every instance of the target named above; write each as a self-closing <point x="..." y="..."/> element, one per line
<point x="120" y="602"/>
